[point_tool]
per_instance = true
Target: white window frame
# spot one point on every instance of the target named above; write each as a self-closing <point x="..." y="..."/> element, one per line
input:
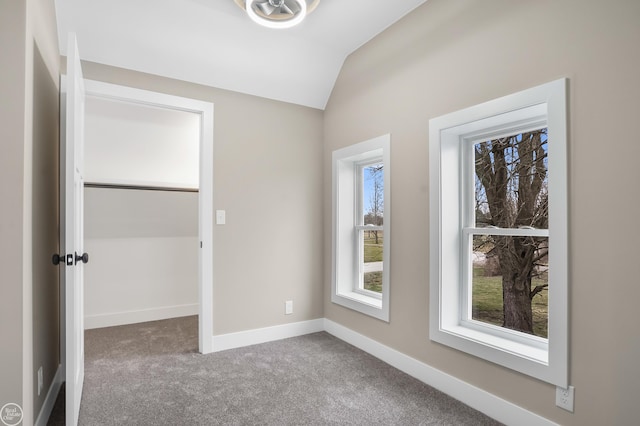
<point x="347" y="226"/>
<point x="451" y="139"/>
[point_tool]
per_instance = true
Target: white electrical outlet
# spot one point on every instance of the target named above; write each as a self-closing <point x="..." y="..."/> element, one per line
<point x="564" y="398"/>
<point x="40" y="381"/>
<point x="288" y="307"/>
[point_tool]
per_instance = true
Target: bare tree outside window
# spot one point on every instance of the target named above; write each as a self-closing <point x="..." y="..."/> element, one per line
<point x="511" y="192"/>
<point x="373" y="200"/>
<point x="374" y="192"/>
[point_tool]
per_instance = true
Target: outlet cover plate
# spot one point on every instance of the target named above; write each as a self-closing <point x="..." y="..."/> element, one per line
<point x="564" y="398"/>
<point x="40" y="380"/>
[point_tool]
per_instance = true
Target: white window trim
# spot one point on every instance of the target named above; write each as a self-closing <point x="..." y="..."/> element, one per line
<point x="345" y="287"/>
<point x="449" y="136"/>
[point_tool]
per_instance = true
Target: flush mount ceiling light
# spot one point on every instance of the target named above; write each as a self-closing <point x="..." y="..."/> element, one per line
<point x="278" y="13"/>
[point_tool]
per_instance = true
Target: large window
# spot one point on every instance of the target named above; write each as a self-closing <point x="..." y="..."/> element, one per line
<point x="361" y="214"/>
<point x="499" y="231"/>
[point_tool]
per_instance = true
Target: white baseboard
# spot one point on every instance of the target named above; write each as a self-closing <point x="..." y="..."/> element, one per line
<point x="50" y="400"/>
<point x="267" y="334"/>
<point x="133" y="317"/>
<point x="483" y="401"/>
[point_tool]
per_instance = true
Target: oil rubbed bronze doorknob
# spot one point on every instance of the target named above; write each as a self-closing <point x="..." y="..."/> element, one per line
<point x="84" y="258"/>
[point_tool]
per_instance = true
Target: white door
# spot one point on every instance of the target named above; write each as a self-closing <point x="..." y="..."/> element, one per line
<point x="71" y="206"/>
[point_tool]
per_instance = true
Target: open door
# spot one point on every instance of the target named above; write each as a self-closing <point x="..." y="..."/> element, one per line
<point x="71" y="230"/>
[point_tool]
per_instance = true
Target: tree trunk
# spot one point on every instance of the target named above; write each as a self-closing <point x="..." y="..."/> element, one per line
<point x="517" y="305"/>
<point x="516" y="266"/>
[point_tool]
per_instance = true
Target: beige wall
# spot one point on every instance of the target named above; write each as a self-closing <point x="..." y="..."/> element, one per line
<point x="12" y="107"/>
<point x="40" y="236"/>
<point x="157" y="232"/>
<point x="268" y="178"/>
<point x="45" y="235"/>
<point x="448" y="55"/>
<point x="28" y="118"/>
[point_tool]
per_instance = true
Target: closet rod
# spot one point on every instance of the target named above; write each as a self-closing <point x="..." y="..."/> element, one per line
<point x="138" y="187"/>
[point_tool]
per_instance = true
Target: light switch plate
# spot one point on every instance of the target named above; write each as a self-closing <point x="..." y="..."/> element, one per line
<point x="221" y="217"/>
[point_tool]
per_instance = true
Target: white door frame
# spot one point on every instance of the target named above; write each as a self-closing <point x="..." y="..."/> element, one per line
<point x="205" y="193"/>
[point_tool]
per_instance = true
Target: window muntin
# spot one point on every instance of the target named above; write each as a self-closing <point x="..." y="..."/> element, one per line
<point x="360" y="271"/>
<point x="455" y="227"/>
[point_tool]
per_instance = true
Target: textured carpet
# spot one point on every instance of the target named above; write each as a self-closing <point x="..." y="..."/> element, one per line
<point x="151" y="374"/>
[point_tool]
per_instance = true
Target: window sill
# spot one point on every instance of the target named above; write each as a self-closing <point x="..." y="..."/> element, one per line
<point x="531" y="358"/>
<point x="363" y="298"/>
<point x="536" y="351"/>
<point x="365" y="304"/>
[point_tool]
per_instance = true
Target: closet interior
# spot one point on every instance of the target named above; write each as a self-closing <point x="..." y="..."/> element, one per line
<point x="140" y="212"/>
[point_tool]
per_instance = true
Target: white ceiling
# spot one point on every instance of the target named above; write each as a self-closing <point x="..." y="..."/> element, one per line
<point x="213" y="42"/>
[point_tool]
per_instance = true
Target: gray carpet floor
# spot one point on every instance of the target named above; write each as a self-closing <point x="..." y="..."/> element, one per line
<point x="151" y="374"/>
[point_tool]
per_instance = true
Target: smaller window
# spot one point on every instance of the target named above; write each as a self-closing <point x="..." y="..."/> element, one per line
<point x="361" y="179"/>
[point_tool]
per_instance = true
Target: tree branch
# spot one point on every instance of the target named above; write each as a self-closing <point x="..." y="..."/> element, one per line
<point x="540" y="256"/>
<point x="537" y="289"/>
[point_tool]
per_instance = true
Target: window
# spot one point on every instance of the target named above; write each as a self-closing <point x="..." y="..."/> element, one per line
<point x="361" y="211"/>
<point x="498" y="244"/>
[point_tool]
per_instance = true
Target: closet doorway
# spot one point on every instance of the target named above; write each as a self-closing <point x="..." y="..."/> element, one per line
<point x="148" y="207"/>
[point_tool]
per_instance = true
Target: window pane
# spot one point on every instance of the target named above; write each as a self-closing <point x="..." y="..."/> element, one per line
<point x="511" y="181"/>
<point x="372" y="269"/>
<point x="373" y="194"/>
<point x="515" y="268"/>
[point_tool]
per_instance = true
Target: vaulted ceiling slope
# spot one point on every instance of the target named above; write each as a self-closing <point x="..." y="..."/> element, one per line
<point x="213" y="42"/>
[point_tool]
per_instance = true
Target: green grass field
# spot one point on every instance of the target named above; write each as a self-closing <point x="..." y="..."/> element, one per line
<point x="373" y="253"/>
<point x="487" y="302"/>
<point x="373" y="281"/>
